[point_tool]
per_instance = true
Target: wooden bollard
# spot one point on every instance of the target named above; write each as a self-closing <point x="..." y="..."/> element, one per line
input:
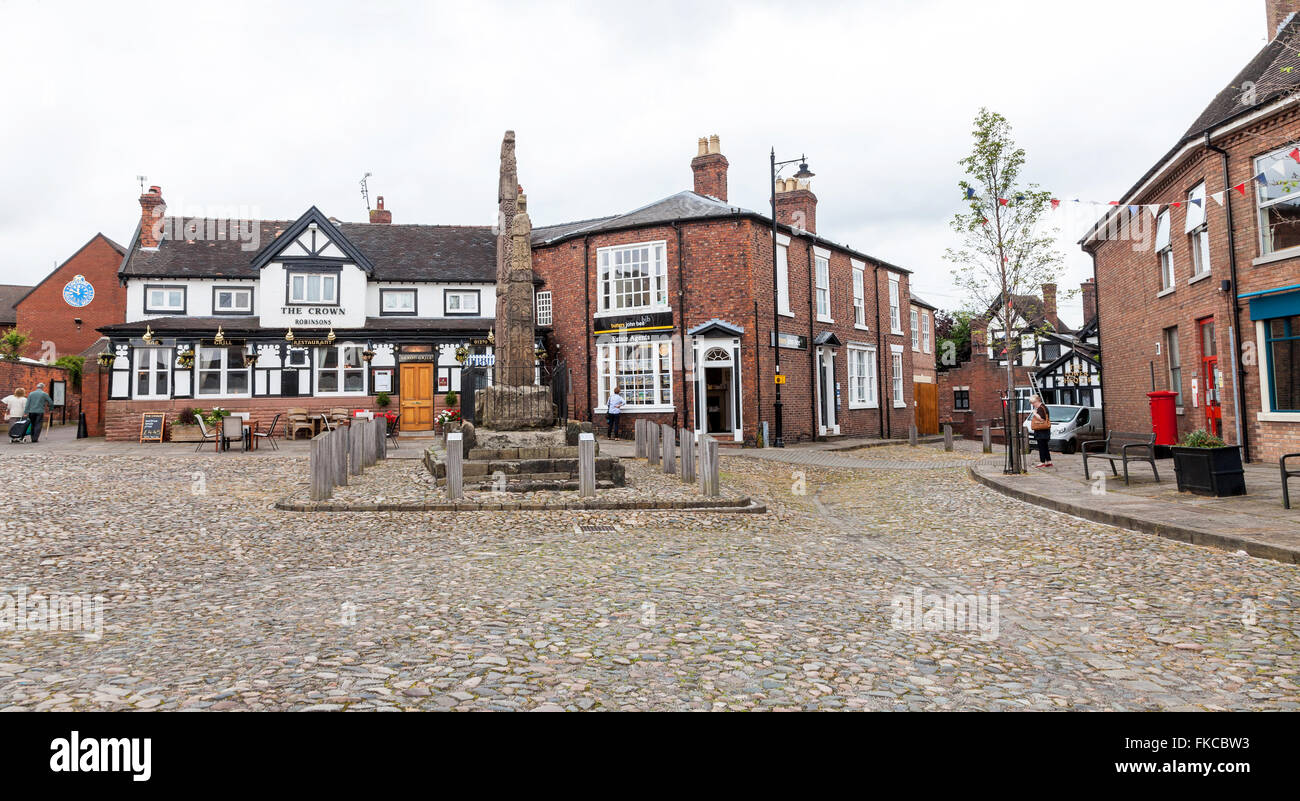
<point x="455" y="466"/>
<point x="322" y="486"/>
<point x="356" y="457"/>
<point x="381" y="437"/>
<point x="652" y="443"/>
<point x="639" y="428"/>
<point x="670" y="449"/>
<point x="911" y="435"/>
<point x="587" y="465"/>
<point x="367" y="442"/>
<point x="339" y="457"/>
<point x="688" y="456"/>
<point x="988" y="440"/>
<point x="709" y="467"/>
<point x="947" y="436"/>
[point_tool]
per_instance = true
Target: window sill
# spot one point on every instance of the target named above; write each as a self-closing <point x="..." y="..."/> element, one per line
<point x="896" y="332"/>
<point x="858" y="327"/>
<point x="855" y="406"/>
<point x="827" y="320"/>
<point x="1196" y="278"/>
<point x="627" y="312"/>
<point x="786" y="314"/>
<point x="1165" y="292"/>
<point x="898" y="405"/>
<point x="641" y="409"/>
<point x="1280" y="255"/>
<point x="1278" y="417"/>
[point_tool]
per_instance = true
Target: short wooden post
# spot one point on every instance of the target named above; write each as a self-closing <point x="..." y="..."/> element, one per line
<point x="587" y="465"/>
<point x="670" y="449"/>
<point x="367" y="441"/>
<point x="947" y="436"/>
<point x="321" y="485"/>
<point x="709" y="467"/>
<point x="911" y="435"/>
<point x="688" y="456"/>
<point x="356" y="461"/>
<point x="455" y="466"/>
<point x="639" y="428"/>
<point x="652" y="443"/>
<point x="381" y="437"/>
<point x="339" y="457"/>
<point x="988" y="440"/>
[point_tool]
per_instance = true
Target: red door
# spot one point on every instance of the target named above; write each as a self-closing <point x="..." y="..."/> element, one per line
<point x="1210" y="378"/>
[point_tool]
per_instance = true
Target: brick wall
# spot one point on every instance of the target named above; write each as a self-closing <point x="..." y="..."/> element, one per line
<point x="25" y="375"/>
<point x="1133" y="317"/>
<point x="46" y="316"/>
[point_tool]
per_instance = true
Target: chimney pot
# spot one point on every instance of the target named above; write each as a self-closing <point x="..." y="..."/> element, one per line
<point x="380" y="200"/>
<point x="703" y="146"/>
<point x="715" y="144"/>
<point x="381" y="215"/>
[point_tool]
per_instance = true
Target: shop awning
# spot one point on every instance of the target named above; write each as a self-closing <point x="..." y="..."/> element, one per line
<point x="1285" y="304"/>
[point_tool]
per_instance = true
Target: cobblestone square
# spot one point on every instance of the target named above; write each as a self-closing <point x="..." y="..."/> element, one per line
<point x="214" y="600"/>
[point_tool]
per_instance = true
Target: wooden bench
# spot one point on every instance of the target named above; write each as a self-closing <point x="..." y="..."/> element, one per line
<point x="1122" y="447"/>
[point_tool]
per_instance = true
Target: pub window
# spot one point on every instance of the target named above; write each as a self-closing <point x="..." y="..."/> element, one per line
<point x="1278" y="202"/>
<point x="643" y="372"/>
<point x="1282" y="343"/>
<point x="151" y="372"/>
<point x="222" y="371"/>
<point x="397" y="302"/>
<point x="961" y="400"/>
<point x="164" y="299"/>
<point x="313" y="288"/>
<point x="232" y="300"/>
<point x="460" y="301"/>
<point x="340" y="370"/>
<point x="633" y="277"/>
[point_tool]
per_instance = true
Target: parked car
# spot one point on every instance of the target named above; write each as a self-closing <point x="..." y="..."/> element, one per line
<point x="1069" y="423"/>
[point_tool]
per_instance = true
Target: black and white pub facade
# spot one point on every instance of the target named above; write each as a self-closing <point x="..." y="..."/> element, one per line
<point x="263" y="316"/>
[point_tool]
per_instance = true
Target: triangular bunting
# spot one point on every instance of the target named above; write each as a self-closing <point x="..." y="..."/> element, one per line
<point x="1279" y="167"/>
<point x="1218" y="198"/>
<point x="1241" y="187"/>
<point x="1295" y="154"/>
<point x="1263" y="180"/>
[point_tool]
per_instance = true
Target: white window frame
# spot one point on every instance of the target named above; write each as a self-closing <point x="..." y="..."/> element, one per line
<point x="925" y="331"/>
<point x="822" y="270"/>
<point x="340" y="370"/>
<point x="895" y="311"/>
<point x="1173" y="362"/>
<point x="460" y="295"/>
<point x="542" y="301"/>
<point x="607" y="373"/>
<point x="1197" y="229"/>
<point x="896" y="376"/>
<point x="164" y="308"/>
<point x="395" y="292"/>
<point x="226" y="370"/>
<point x="235" y="292"/>
<point x="656" y="278"/>
<point x="783" y="276"/>
<point x="916" y="328"/>
<point x="1263" y="164"/>
<point x="863" y="392"/>
<point x="1165" y="252"/>
<point x="859" y="296"/>
<point x="154" y="371"/>
<point x="306" y="276"/>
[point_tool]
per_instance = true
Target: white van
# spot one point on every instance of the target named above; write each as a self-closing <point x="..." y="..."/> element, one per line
<point x="1068" y="423"/>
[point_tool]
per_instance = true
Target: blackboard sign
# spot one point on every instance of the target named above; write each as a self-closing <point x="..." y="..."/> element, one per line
<point x="151" y="426"/>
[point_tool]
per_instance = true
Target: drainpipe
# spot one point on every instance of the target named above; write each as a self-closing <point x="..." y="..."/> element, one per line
<point x="880" y="357"/>
<point x="813" y="387"/>
<point x="589" y="345"/>
<point x="1096" y="300"/>
<point x="681" y="329"/>
<point x="1238" y="367"/>
<point x="758" y="375"/>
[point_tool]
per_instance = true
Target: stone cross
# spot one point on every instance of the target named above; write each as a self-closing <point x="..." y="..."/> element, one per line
<point x="515" y="331"/>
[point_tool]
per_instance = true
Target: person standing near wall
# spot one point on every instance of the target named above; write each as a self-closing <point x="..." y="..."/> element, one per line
<point x="1040" y="422"/>
<point x="614" y="411"/>
<point x="38" y="403"/>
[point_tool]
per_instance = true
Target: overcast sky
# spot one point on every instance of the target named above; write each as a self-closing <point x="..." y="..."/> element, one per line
<point x="273" y="107"/>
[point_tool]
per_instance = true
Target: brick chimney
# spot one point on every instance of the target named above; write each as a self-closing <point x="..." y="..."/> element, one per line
<point x="152" y="209"/>
<point x="710" y="168"/>
<point x="1278" y="12"/>
<point x="1049" y="305"/>
<point x="381" y="216"/>
<point x="796" y="204"/>
<point x="1088" y="290"/>
<point x="978" y="338"/>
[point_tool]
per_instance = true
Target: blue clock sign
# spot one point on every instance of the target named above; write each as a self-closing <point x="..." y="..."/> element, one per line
<point x="78" y="292"/>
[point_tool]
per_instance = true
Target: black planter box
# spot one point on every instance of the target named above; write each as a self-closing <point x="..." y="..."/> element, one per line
<point x="1209" y="471"/>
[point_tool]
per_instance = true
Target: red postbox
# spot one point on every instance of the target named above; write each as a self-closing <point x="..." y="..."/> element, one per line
<point x="1164" y="421"/>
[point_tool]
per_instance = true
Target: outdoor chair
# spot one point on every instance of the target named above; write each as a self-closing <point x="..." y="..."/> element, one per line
<point x="208" y="436"/>
<point x="232" y="428"/>
<point x="340" y="416"/>
<point x="298" y="421"/>
<point x="391" y="430"/>
<point x="269" y="434"/>
<point x="1287" y="475"/>
<point x="1122" y="447"/>
<point x="325" y="422"/>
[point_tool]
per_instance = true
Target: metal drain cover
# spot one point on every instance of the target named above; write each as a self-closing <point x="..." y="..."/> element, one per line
<point x="593" y="529"/>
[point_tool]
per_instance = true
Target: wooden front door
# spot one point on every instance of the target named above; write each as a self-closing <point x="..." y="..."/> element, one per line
<point x="417" y="397"/>
<point x="927" y="407"/>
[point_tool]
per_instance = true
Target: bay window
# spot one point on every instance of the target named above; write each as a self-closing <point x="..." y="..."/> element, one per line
<point x="340" y="370"/>
<point x="152" y="372"/>
<point x="1164" y="252"/>
<point x="633" y="277"/>
<point x="313" y="288"/>
<point x="222" y="371"/>
<point x="862" y="378"/>
<point x="642" y="371"/>
<point x="1277" y="201"/>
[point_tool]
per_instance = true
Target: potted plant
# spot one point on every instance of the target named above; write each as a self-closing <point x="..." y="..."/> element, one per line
<point x="185" y="360"/>
<point x="382" y="400"/>
<point x="185" y="428"/>
<point x="451" y="399"/>
<point x="1206" y="465"/>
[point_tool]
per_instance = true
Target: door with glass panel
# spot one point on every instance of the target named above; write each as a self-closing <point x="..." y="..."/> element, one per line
<point x="1210" y="378"/>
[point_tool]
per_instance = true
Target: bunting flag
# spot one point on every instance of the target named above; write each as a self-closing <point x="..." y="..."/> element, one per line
<point x="1218" y="198"/>
<point x="970" y="192"/>
<point x="1295" y="154"/>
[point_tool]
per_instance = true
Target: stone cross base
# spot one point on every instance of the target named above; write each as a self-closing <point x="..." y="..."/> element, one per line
<point x="514" y="408"/>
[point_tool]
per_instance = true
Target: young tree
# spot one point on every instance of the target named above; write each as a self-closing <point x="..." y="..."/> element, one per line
<point x="1005" y="248"/>
<point x="952" y="334"/>
<point x="12" y="344"/>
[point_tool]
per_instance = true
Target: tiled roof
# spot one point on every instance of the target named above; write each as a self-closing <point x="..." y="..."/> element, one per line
<point x="916" y="300"/>
<point x="10" y="294"/>
<point x="398" y="252"/>
<point x="1269" y="75"/>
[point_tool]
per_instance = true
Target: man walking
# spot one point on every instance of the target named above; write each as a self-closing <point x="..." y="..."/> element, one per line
<point x="614" y="411"/>
<point x="38" y="403"/>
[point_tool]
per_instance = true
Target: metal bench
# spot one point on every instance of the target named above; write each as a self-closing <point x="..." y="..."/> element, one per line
<point x="1286" y="476"/>
<point x="1122" y="447"/>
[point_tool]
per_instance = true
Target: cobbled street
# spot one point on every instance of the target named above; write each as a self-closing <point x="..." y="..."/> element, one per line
<point x="216" y="601"/>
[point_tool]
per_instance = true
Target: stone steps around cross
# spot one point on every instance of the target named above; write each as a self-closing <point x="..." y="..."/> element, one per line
<point x="502" y="454"/>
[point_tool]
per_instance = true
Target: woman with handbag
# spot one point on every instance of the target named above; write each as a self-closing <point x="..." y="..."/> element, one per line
<point x="1041" y="424"/>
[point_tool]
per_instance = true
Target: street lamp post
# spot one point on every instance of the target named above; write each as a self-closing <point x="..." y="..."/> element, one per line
<point x="804" y="173"/>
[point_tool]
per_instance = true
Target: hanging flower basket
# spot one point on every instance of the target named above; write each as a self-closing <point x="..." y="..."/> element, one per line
<point x="185" y="360"/>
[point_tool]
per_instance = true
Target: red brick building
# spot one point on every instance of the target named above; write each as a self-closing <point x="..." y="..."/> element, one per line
<point x="80" y="295"/>
<point x="1198" y="266"/>
<point x="675" y="303"/>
